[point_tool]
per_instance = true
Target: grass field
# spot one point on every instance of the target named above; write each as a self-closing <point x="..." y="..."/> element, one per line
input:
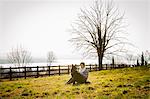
<point x="105" y="84"/>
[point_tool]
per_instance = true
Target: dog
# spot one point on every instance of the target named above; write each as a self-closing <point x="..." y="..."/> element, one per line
<point x="73" y="71"/>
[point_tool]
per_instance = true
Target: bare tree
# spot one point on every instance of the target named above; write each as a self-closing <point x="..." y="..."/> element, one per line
<point x="50" y="57"/>
<point x="98" y="30"/>
<point x="147" y="56"/>
<point x="19" y="56"/>
<point x="113" y="62"/>
<point x="130" y="58"/>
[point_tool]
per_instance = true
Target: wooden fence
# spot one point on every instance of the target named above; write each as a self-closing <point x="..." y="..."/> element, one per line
<point x="36" y="71"/>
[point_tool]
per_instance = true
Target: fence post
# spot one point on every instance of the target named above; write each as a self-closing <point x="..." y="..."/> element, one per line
<point x="49" y="71"/>
<point x="37" y="71"/>
<point x="10" y="74"/>
<point x="96" y="66"/>
<point x="90" y="67"/>
<point x="25" y="72"/>
<point x="59" y="69"/>
<point x="68" y="69"/>
<point x="106" y="66"/>
<point x="118" y="66"/>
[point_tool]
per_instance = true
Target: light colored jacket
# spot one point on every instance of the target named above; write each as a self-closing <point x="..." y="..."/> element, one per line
<point x="84" y="72"/>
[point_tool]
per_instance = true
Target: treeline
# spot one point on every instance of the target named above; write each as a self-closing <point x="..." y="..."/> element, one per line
<point x="21" y="57"/>
<point x="134" y="60"/>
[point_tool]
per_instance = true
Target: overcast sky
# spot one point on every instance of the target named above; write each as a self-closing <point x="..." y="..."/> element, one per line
<point x="42" y="25"/>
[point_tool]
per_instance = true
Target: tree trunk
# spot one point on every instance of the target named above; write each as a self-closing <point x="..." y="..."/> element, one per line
<point x="100" y="62"/>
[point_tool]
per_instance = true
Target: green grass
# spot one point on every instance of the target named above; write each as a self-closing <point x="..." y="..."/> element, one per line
<point x="115" y="84"/>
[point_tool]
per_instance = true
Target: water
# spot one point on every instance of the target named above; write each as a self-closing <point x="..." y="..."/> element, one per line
<point x="58" y="62"/>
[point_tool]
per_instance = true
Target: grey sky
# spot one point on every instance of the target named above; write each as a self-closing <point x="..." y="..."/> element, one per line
<point x="42" y="25"/>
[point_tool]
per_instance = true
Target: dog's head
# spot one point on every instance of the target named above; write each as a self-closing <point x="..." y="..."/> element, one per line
<point x="74" y="68"/>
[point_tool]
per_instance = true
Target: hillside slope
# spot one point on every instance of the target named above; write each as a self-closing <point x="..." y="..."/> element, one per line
<point x="118" y="83"/>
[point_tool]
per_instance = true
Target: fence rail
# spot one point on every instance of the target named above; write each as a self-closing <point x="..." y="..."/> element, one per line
<point x="36" y="71"/>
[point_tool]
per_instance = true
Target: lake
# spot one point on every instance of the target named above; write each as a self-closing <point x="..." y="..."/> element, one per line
<point x="58" y="62"/>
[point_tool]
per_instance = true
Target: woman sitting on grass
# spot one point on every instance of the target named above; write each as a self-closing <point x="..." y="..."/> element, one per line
<point x="79" y="77"/>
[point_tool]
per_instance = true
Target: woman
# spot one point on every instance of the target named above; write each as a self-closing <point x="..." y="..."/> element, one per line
<point x="79" y="77"/>
<point x="83" y="71"/>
